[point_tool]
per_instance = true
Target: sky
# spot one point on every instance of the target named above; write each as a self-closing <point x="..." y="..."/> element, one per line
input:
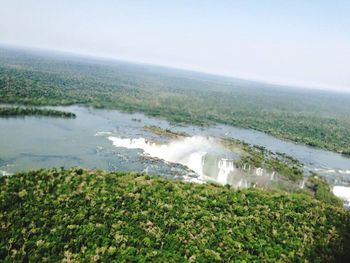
<point x="294" y="42"/>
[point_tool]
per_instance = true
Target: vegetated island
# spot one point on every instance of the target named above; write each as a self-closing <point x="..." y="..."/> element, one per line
<point x="81" y="215"/>
<point x="313" y="118"/>
<point x="7" y="112"/>
<point x="165" y="132"/>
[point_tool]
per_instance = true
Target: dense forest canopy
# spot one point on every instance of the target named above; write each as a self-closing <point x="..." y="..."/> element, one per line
<point x="80" y="215"/>
<point x="91" y="215"/>
<point x="316" y="118"/>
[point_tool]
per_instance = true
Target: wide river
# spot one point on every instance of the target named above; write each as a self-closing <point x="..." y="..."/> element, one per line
<point x="112" y="140"/>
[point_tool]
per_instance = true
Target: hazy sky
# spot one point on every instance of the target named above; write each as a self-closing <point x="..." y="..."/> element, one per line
<point x="303" y="42"/>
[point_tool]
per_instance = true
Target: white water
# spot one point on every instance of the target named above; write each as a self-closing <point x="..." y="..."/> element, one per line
<point x="196" y="162"/>
<point x="332" y="171"/>
<point x="189" y="151"/>
<point x="192" y="152"/>
<point x="343" y="192"/>
<point x="200" y="154"/>
<point x="302" y="184"/>
<point x="259" y="171"/>
<point x="242" y="184"/>
<point x="225" y="168"/>
<point x="101" y="133"/>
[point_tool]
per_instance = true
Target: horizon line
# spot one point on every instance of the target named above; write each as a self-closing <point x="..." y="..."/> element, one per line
<point x="262" y="80"/>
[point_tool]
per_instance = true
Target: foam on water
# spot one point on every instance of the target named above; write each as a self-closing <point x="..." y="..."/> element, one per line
<point x="189" y="151"/>
<point x="332" y="171"/>
<point x="102" y="133"/>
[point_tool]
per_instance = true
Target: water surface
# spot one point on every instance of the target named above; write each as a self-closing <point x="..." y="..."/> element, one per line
<point x="112" y="140"/>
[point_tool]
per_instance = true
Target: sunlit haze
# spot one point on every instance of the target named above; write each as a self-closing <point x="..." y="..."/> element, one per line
<point x="305" y="43"/>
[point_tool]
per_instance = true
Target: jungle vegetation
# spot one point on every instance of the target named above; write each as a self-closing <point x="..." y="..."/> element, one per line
<point x="314" y="118"/>
<point x="257" y="156"/>
<point x="7" y="112"/>
<point x="94" y="216"/>
<point x="321" y="190"/>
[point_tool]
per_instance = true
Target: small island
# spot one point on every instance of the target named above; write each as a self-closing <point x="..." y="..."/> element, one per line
<point x="164" y="132"/>
<point x="7" y="112"/>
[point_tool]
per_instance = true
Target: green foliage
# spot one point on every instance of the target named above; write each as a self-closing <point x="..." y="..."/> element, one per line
<point x="21" y="111"/>
<point x="322" y="190"/>
<point x="258" y="156"/>
<point x="77" y="215"/>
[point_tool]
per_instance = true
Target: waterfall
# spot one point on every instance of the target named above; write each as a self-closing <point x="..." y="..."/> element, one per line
<point x="242" y="184"/>
<point x="259" y="171"/>
<point x="302" y="184"/>
<point x="189" y="151"/>
<point x="272" y="177"/>
<point x="196" y="162"/>
<point x="225" y="168"/>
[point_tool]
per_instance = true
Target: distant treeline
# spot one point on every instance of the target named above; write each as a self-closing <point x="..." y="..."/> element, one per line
<point x="21" y="111"/>
<point x="314" y="118"/>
